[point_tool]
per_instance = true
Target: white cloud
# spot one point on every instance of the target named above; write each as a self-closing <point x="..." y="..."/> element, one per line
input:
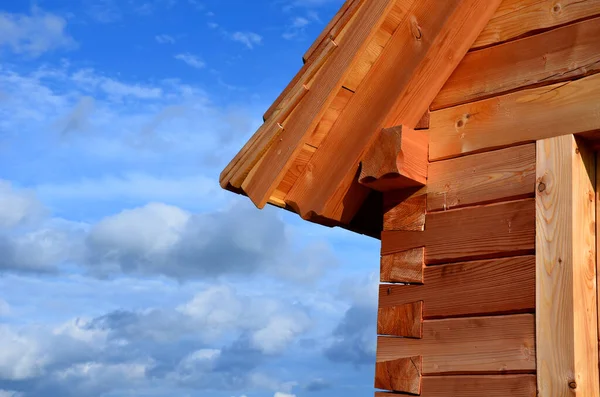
<point x="90" y="80"/>
<point x="34" y="34"/>
<point x="18" y="206"/>
<point x="279" y="394"/>
<point x="191" y="60"/>
<point x="21" y="356"/>
<point x="249" y="39"/>
<point x="164" y="39"/>
<point x="9" y="393"/>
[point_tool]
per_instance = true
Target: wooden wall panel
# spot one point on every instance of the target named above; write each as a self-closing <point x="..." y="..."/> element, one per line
<point x="468" y="345"/>
<point x="494" y="230"/>
<point x="472" y="288"/>
<point x="558" y="55"/>
<point x="475" y="386"/>
<point x="401" y="320"/>
<point x="482" y="178"/>
<point x="515" y="18"/>
<point x="524" y="116"/>
<point x="566" y="308"/>
<point x="405" y="209"/>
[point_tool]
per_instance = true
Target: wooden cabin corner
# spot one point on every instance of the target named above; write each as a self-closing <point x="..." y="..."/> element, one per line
<point x="465" y="135"/>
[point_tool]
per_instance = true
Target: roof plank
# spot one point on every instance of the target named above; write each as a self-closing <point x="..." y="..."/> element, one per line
<point x="429" y="44"/>
<point x="327" y="83"/>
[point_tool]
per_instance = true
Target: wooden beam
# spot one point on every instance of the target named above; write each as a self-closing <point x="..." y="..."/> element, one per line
<point x="495" y="230"/>
<point x="475" y="386"/>
<point x="396" y="159"/>
<point x="326" y="85"/>
<point x="405" y="209"/>
<point x="428" y="45"/>
<point x="483" y="178"/>
<point x="562" y="54"/>
<point x="401" y="375"/>
<point x="517" y="18"/>
<point x="472" y="345"/>
<point x="403" y="267"/>
<point x="337" y="25"/>
<point x="566" y="311"/>
<point x="471" y="288"/>
<point x="524" y="116"/>
<point x="401" y="320"/>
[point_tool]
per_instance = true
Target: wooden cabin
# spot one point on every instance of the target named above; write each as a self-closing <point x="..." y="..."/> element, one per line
<point x="463" y="134"/>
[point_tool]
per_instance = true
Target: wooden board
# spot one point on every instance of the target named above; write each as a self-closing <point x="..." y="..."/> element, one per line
<point x="558" y="55"/>
<point x="502" y="344"/>
<point x="428" y="45"/>
<point x="402" y="375"/>
<point x="566" y="309"/>
<point x="333" y="28"/>
<point x="329" y="117"/>
<point x="472" y="288"/>
<point x="475" y="386"/>
<point x="405" y="209"/>
<point x="282" y="152"/>
<point x="403" y="267"/>
<point x="494" y="230"/>
<point x="401" y="320"/>
<point x="516" y="18"/>
<point x="278" y="197"/>
<point x="524" y="116"/>
<point x="482" y="178"/>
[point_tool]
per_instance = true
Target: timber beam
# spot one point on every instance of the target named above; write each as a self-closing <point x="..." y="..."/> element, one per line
<point x="396" y="159"/>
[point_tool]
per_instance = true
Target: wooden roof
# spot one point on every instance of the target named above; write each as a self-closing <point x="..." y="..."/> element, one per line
<point x="378" y="66"/>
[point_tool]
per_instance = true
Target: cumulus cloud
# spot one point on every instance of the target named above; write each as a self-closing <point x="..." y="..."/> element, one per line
<point x="90" y="80"/>
<point x="163" y="239"/>
<point x="35" y="33"/>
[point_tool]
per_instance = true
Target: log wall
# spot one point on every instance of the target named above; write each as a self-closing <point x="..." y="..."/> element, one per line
<point x="463" y="278"/>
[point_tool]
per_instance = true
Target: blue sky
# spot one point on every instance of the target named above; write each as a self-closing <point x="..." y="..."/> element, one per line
<point x="124" y="269"/>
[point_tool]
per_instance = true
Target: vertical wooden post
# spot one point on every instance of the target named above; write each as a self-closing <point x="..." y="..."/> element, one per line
<point x="566" y="311"/>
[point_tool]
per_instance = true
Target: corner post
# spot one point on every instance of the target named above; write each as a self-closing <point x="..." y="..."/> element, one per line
<point x="566" y="310"/>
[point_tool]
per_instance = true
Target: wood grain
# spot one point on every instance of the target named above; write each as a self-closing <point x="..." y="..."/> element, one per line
<point x="401" y="320"/>
<point x="405" y="209"/>
<point x="403" y="267"/>
<point x="558" y="55"/>
<point x="482" y="178"/>
<point x="571" y="107"/>
<point x="494" y="230"/>
<point x="498" y="344"/>
<point x="428" y="45"/>
<point x="401" y="375"/>
<point x="516" y="18"/>
<point x="327" y="83"/>
<point x="395" y="160"/>
<point x="566" y="309"/>
<point x="278" y="197"/>
<point x="476" y="386"/>
<point x="472" y="288"/>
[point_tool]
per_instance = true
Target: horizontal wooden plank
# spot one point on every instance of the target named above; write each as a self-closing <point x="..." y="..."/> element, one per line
<point x="558" y="55"/>
<point x="402" y="375"/>
<point x="488" y="231"/>
<point x="401" y="320"/>
<point x="488" y="177"/>
<point x="403" y="267"/>
<point x="504" y="344"/>
<point x="523" y="116"/>
<point x="516" y="18"/>
<point x="492" y="286"/>
<point x="475" y="386"/>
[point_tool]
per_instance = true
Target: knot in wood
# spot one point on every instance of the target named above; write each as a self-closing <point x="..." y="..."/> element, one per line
<point x="541" y="187"/>
<point x="573" y="384"/>
<point x="557" y="8"/>
<point x="416" y="30"/>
